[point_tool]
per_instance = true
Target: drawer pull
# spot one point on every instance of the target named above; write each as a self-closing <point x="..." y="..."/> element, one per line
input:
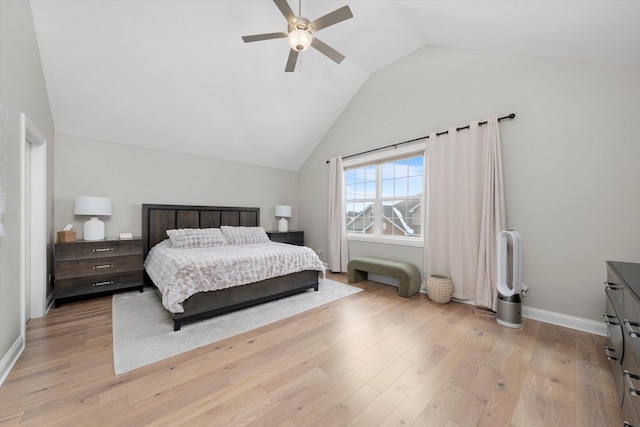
<point x="108" y="282"/>
<point x="95" y="267"/>
<point x="610" y="320"/>
<point x="613" y="286"/>
<point x="629" y="327"/>
<point x="103" y="250"/>
<point x="608" y="351"/>
<point x="627" y="378"/>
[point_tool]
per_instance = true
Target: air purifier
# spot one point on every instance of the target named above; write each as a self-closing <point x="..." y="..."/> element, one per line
<point x="509" y="308"/>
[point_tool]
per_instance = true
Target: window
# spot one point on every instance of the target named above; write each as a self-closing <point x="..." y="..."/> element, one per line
<point x="385" y="198"/>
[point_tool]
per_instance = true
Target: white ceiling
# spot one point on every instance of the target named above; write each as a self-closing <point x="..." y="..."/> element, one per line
<point x="175" y="74"/>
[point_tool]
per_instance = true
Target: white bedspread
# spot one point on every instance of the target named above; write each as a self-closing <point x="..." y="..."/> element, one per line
<point x="180" y="273"/>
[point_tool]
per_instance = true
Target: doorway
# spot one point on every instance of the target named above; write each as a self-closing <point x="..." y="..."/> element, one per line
<point x="34" y="230"/>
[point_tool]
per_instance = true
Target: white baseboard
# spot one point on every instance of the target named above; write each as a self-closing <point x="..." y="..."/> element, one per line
<point x="566" y="320"/>
<point x="559" y="319"/>
<point x="11" y="358"/>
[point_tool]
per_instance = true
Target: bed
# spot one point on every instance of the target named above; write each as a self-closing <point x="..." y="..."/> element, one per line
<point x="157" y="219"/>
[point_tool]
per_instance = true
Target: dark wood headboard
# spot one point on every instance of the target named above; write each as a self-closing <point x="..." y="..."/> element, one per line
<point x="157" y="219"/>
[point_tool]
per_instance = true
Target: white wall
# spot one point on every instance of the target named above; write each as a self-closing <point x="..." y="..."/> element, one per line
<point x="22" y="90"/>
<point x="571" y="157"/>
<point x="132" y="175"/>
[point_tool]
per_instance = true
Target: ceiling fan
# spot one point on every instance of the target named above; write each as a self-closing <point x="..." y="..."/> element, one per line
<point x="300" y="30"/>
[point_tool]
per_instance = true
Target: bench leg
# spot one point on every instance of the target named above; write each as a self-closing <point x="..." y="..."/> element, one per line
<point x="409" y="287"/>
<point x="357" y="275"/>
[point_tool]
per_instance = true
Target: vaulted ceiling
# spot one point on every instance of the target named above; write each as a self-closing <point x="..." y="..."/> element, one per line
<point x="175" y="74"/>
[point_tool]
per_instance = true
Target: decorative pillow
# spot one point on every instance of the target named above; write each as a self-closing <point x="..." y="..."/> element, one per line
<point x="244" y="235"/>
<point x="196" y="237"/>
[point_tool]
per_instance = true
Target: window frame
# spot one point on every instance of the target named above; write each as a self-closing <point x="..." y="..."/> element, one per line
<point x="382" y="157"/>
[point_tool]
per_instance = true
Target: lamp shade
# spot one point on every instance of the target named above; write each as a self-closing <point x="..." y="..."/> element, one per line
<point x="94" y="206"/>
<point x="283" y="211"/>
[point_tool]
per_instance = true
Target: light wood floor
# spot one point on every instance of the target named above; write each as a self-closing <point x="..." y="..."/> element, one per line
<point x="369" y="359"/>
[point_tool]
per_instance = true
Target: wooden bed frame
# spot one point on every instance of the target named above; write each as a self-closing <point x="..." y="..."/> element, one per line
<point x="157" y="219"/>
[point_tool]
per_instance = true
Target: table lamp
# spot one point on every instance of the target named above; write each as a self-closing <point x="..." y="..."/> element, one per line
<point x="283" y="212"/>
<point x="94" y="207"/>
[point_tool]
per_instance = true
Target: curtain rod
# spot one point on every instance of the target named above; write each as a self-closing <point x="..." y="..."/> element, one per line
<point x="510" y="116"/>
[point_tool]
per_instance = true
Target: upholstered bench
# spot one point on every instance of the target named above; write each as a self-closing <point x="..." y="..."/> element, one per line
<point x="407" y="274"/>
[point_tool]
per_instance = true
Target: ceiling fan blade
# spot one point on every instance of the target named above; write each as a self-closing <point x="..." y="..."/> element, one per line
<point x="333" y="54"/>
<point x="259" y="37"/>
<point x="331" y="18"/>
<point x="285" y="9"/>
<point x="291" y="62"/>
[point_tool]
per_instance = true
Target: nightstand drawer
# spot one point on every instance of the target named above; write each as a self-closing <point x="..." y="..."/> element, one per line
<point x="102" y="249"/>
<point x="103" y="283"/>
<point x="96" y="266"/>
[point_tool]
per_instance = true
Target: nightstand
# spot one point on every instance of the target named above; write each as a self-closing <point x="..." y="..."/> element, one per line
<point x="92" y="268"/>
<point x="290" y="237"/>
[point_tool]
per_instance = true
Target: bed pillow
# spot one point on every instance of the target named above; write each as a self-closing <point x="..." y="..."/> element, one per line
<point x="244" y="235"/>
<point x="196" y="237"/>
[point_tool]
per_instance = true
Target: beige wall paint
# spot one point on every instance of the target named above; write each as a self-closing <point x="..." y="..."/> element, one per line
<point x="570" y="157"/>
<point x="22" y="90"/>
<point x="132" y="175"/>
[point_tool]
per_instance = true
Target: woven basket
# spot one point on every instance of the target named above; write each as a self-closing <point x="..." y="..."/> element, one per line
<point x="439" y="288"/>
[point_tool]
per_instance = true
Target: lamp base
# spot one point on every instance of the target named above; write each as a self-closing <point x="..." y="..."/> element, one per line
<point x="283" y="225"/>
<point x="93" y="229"/>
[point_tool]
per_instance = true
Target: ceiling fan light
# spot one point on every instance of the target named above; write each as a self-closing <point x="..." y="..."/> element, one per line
<point x="299" y="39"/>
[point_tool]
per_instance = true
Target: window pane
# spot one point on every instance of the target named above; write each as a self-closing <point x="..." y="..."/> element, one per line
<point x="370" y="173"/>
<point x="350" y="192"/>
<point x="387" y="188"/>
<point x="400" y="217"/>
<point x="360" y="183"/>
<point x="414" y="216"/>
<point x="401" y="187"/>
<point x="349" y="176"/>
<point x="387" y="170"/>
<point x="402" y="168"/>
<point x="415" y="166"/>
<point x="415" y="186"/>
<point x="359" y="217"/>
<point x="360" y="190"/>
<point x="370" y="190"/>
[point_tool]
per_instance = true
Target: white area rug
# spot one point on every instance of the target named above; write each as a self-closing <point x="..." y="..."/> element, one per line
<point x="143" y="329"/>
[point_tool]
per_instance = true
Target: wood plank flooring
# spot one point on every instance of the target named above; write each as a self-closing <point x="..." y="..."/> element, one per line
<point x="369" y="359"/>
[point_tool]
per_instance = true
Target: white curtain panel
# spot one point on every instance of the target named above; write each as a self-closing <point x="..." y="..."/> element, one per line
<point x="465" y="209"/>
<point x="493" y="217"/>
<point x="338" y="248"/>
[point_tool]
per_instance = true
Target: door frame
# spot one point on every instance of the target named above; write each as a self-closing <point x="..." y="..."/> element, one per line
<point x="36" y="223"/>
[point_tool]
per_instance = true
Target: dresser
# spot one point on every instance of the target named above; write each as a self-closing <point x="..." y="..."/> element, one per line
<point x="290" y="237"/>
<point x="622" y="316"/>
<point x="90" y="268"/>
